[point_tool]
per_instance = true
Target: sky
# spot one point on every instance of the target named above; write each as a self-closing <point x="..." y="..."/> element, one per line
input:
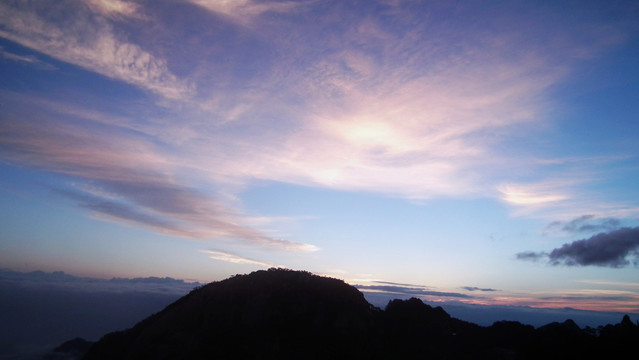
<point x="472" y="151"/>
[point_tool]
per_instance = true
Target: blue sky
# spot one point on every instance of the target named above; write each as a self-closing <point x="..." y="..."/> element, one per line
<point x="445" y="146"/>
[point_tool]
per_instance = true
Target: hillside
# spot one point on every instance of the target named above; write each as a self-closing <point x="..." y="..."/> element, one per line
<point x="290" y="314"/>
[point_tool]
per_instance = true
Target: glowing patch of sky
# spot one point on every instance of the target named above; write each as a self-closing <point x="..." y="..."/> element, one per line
<point x="426" y="143"/>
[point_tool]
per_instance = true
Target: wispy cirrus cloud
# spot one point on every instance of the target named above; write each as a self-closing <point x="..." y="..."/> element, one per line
<point x="353" y="103"/>
<point x="244" y="10"/>
<point x="113" y="7"/>
<point x="565" y="198"/>
<point x="533" y="194"/>
<point x="128" y="180"/>
<point x="369" y="109"/>
<point x="234" y="258"/>
<point x="621" y="284"/>
<point x="29" y="60"/>
<point x="356" y="98"/>
<point x="90" y="42"/>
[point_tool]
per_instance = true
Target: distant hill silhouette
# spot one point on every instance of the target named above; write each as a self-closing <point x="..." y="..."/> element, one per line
<point x="287" y="314"/>
<point x="69" y="350"/>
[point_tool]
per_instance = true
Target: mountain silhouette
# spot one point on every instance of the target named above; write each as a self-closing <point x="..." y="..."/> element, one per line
<point x="69" y="350"/>
<point x="285" y="314"/>
<point x="274" y="313"/>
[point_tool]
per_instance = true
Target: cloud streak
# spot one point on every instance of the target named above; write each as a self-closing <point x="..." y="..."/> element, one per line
<point x="348" y="133"/>
<point x="531" y="255"/>
<point x="474" y="288"/>
<point x="358" y="102"/>
<point x="89" y="42"/>
<point x="113" y="7"/>
<point x="245" y="10"/>
<point x="122" y="181"/>
<point x="565" y="197"/>
<point x="615" y="249"/>
<point x="28" y="60"/>
<point x="40" y="280"/>
<point x="359" y="98"/>
<point x="410" y="291"/>
<point x="585" y="223"/>
<point x="532" y="194"/>
<point x="234" y="258"/>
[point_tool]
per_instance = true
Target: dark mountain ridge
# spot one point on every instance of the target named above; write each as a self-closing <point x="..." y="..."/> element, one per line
<point x="289" y="314"/>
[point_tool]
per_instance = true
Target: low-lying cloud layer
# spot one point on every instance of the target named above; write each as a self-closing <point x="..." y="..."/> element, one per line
<point x="617" y="248"/>
<point x="410" y="291"/>
<point x="41" y="281"/>
<point x="474" y="288"/>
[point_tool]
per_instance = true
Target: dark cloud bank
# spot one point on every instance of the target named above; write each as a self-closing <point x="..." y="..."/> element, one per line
<point x="616" y="248"/>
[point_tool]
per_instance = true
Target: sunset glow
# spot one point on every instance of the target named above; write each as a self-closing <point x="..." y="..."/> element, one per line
<point x="479" y="152"/>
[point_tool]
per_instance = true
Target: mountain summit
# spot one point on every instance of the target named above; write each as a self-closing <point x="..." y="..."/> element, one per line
<point x="285" y="314"/>
<point x="274" y="313"/>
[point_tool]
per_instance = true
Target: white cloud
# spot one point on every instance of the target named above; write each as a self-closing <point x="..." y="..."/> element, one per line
<point x="234" y="258"/>
<point x="430" y="136"/>
<point x="245" y="10"/>
<point x="612" y="283"/>
<point x="92" y="44"/>
<point x="113" y="7"/>
<point x="402" y="114"/>
<point x="562" y="199"/>
<point x="339" y="99"/>
<point x="29" y="60"/>
<point x="124" y="178"/>
<point x="530" y="195"/>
